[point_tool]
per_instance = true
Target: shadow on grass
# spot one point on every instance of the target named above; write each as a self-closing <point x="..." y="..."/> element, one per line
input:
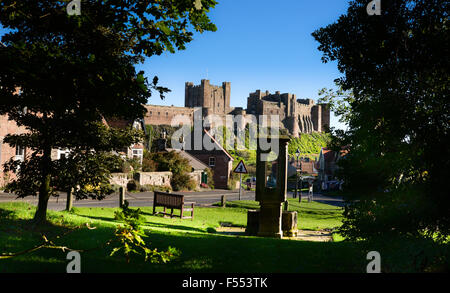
<point x="149" y="223"/>
<point x="170" y="226"/>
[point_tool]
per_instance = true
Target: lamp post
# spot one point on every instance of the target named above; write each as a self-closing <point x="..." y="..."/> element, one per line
<point x="297" y="153"/>
<point x="301" y="182"/>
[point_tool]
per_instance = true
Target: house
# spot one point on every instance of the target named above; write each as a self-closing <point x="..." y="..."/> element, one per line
<point x="327" y="166"/>
<point x="218" y="159"/>
<point x="198" y="172"/>
<point x="135" y="150"/>
<point x="7" y="152"/>
<point x="305" y="166"/>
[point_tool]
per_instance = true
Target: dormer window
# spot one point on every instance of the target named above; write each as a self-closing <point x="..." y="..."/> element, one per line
<point x="20" y="153"/>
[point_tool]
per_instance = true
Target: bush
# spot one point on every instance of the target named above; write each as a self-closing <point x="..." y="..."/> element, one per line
<point x="210" y="178"/>
<point x="148" y="165"/>
<point x="182" y="182"/>
<point x="132" y="185"/>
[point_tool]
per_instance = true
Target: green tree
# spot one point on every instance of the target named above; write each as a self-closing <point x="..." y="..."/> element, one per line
<point x="74" y="71"/>
<point x="396" y="67"/>
<point x="173" y="162"/>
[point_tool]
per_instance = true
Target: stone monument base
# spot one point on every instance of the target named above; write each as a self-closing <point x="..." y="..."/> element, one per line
<point x="288" y="223"/>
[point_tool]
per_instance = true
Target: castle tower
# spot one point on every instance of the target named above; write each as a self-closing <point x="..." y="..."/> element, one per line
<point x="316" y="117"/>
<point x="205" y="95"/>
<point x="325" y="116"/>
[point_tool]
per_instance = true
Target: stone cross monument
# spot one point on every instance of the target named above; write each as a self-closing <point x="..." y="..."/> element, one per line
<point x="271" y="199"/>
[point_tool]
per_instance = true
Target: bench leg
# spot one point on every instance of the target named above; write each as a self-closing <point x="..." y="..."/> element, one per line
<point x="181" y="216"/>
<point x="171" y="213"/>
<point x="192" y="213"/>
<point x="154" y="208"/>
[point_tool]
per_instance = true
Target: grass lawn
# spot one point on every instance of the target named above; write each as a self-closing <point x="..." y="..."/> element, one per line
<point x="201" y="251"/>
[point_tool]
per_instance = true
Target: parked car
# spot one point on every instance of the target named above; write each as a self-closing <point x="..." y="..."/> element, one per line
<point x="250" y="183"/>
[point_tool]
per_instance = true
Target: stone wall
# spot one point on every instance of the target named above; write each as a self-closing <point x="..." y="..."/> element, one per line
<point x="120" y="178"/>
<point x="153" y="178"/>
<point x="163" y="115"/>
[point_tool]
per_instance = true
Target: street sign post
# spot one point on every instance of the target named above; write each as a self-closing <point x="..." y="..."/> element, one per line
<point x="241" y="169"/>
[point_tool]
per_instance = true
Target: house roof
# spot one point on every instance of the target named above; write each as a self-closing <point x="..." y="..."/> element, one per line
<point x="195" y="164"/>
<point x="328" y="155"/>
<point x="218" y="144"/>
<point x="332" y="156"/>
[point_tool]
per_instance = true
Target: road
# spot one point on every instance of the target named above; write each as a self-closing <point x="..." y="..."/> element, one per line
<point x="145" y="199"/>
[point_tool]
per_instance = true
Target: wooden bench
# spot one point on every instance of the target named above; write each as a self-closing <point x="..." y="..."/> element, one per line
<point x="172" y="201"/>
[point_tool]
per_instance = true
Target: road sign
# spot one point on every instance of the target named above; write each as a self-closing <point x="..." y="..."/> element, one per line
<point x="240" y="168"/>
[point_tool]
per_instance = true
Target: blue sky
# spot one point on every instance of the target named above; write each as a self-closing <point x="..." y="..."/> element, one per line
<point x="259" y="44"/>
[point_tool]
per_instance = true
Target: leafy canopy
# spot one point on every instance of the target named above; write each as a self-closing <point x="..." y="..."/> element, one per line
<point x="395" y="66"/>
<point x="62" y="75"/>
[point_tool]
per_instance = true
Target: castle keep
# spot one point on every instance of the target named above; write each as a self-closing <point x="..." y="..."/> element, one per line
<point x="296" y="115"/>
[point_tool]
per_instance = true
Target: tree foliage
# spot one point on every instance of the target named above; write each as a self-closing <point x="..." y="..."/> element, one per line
<point x="129" y="238"/>
<point x="396" y="67"/>
<point x="173" y="162"/>
<point x="75" y="71"/>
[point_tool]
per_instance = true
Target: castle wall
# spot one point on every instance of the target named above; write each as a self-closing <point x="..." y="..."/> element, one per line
<point x="297" y="115"/>
<point x="163" y="115"/>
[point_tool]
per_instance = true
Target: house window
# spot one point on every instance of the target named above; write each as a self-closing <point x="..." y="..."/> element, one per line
<point x="138" y="153"/>
<point x="20" y="153"/>
<point x="151" y="113"/>
<point x="212" y="161"/>
<point x="63" y="153"/>
<point x="167" y="114"/>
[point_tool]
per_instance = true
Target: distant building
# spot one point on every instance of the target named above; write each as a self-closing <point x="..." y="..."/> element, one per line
<point x="327" y="166"/>
<point x="133" y="151"/>
<point x="297" y="115"/>
<point x="6" y="151"/>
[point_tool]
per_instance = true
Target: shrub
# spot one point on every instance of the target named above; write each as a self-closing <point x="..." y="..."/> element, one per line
<point x="132" y="185"/>
<point x="129" y="238"/>
<point x="182" y="182"/>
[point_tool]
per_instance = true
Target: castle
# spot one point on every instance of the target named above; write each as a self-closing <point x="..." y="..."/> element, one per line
<point x="297" y="115"/>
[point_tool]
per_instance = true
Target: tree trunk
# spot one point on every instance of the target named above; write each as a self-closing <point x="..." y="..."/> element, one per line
<point x="40" y="217"/>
